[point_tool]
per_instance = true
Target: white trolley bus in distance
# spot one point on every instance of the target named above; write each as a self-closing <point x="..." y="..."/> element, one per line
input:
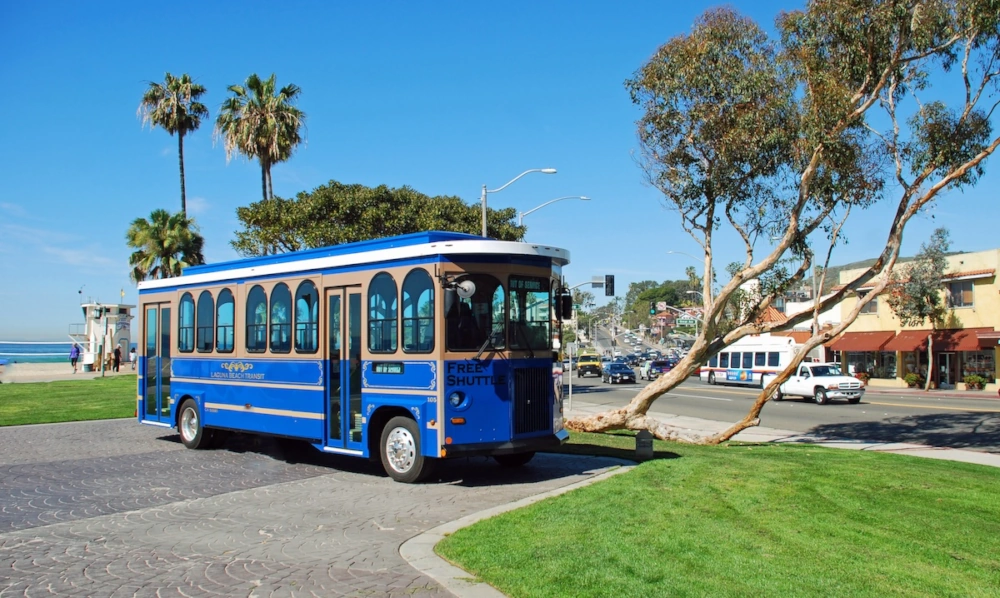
<point x="750" y="361"/>
<point x="407" y="350"/>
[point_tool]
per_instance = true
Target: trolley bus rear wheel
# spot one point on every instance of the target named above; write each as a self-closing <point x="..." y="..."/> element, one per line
<point x="193" y="433"/>
<point x="400" y="451"/>
<point x="711" y="378"/>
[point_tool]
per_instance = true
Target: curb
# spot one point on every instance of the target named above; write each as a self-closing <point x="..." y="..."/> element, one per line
<point x="418" y="551"/>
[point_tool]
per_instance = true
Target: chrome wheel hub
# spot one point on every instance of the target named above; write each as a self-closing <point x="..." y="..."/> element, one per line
<point x="189" y="424"/>
<point x="401" y="449"/>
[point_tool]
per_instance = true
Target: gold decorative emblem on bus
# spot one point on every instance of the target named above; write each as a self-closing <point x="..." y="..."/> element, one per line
<point x="237" y="366"/>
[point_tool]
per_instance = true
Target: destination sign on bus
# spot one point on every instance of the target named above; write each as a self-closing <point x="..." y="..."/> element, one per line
<point x="387" y="367"/>
<point x="529" y="284"/>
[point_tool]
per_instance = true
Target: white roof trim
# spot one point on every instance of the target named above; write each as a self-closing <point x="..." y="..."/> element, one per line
<point x="471" y="247"/>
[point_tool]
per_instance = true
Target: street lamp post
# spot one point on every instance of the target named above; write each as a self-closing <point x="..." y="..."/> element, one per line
<point x="521" y="215"/>
<point x="501" y="188"/>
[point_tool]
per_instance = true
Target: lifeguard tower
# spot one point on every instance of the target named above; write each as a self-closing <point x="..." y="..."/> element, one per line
<point x="105" y="326"/>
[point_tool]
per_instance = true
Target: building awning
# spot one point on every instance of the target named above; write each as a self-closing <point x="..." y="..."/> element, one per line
<point x="800" y="336"/>
<point x="989" y="339"/>
<point x="862" y="341"/>
<point x="954" y="339"/>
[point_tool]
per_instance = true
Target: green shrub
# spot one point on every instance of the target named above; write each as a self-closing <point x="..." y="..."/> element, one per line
<point x="914" y="379"/>
<point x="975" y="381"/>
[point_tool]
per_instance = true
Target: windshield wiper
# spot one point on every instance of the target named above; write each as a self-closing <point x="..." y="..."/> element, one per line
<point x="488" y="342"/>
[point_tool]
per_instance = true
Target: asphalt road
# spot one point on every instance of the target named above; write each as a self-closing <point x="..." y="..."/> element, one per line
<point x="972" y="424"/>
<point x="882" y="415"/>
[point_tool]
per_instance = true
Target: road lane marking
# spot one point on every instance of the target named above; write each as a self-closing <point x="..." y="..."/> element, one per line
<point x="933" y="407"/>
<point x="670" y="394"/>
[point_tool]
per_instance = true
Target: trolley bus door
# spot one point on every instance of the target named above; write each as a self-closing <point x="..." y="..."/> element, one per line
<point x="344" y="426"/>
<point x="157" y="373"/>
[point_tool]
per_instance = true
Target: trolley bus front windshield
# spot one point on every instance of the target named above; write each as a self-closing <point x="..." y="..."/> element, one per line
<point x="497" y="320"/>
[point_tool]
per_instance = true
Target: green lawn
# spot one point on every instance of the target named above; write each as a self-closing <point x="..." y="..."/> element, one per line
<point x="71" y="400"/>
<point x="749" y="520"/>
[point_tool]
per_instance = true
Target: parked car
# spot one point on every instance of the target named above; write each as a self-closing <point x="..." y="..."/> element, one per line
<point x="654" y="368"/>
<point x="618" y="372"/>
<point x="821" y="382"/>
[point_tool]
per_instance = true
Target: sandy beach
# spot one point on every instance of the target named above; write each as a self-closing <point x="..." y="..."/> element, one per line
<point x="50" y="372"/>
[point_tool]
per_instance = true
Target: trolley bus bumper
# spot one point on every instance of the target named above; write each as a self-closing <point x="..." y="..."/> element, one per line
<point x="521" y="445"/>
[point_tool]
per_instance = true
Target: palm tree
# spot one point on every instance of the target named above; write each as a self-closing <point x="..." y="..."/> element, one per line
<point x="261" y="123"/>
<point x="174" y="106"/>
<point x="164" y="244"/>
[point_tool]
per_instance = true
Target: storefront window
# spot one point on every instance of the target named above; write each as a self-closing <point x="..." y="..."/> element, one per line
<point x="914" y="362"/>
<point x="877" y="364"/>
<point x="980" y="363"/>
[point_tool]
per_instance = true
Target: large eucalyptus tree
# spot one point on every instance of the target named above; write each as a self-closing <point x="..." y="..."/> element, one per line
<point x="260" y="121"/>
<point x="173" y="106"/>
<point x="779" y="142"/>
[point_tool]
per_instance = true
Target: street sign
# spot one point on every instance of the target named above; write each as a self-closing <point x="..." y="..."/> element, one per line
<point x="686" y="321"/>
<point x="661" y="306"/>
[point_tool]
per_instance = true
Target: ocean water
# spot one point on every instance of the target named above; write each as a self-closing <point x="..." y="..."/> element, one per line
<point x="33" y="352"/>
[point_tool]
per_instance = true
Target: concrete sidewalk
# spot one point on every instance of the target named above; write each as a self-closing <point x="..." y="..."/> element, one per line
<point x="707" y="427"/>
<point x="953" y="393"/>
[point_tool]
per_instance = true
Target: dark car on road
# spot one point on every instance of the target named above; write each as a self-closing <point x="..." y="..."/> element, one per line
<point x="658" y="367"/>
<point x="618" y="372"/>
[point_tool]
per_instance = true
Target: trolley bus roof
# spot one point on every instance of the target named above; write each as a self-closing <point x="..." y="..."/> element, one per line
<point x="376" y="251"/>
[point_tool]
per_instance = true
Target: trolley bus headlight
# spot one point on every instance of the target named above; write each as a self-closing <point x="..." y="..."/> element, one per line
<point x="456" y="399"/>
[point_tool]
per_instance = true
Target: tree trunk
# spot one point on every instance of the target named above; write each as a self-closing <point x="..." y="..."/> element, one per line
<point x="180" y="154"/>
<point x="931" y="370"/>
<point x="270" y="184"/>
<point x="263" y="180"/>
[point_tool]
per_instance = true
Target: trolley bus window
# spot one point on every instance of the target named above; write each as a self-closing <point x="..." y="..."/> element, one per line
<point x="306" y="318"/>
<point x="206" y="324"/>
<point x="256" y="320"/>
<point x="185" y="325"/>
<point x="225" y="322"/>
<point x="418" y="312"/>
<point x="529" y="312"/>
<point x="281" y="327"/>
<point x="382" y="314"/>
<point x="473" y="321"/>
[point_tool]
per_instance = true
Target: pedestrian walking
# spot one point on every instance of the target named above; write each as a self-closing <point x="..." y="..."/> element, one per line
<point x="74" y="355"/>
<point x="118" y="358"/>
<point x="131" y="357"/>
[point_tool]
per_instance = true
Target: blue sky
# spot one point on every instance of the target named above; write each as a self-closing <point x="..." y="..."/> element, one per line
<point x="443" y="97"/>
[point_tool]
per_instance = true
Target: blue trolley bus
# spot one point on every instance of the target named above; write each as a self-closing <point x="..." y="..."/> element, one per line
<point x="407" y="349"/>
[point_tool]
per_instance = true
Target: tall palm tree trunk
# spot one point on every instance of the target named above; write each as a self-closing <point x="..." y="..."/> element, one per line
<point x="263" y="179"/>
<point x="180" y="154"/>
<point x="270" y="183"/>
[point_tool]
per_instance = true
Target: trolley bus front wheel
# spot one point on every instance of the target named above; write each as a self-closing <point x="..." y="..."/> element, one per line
<point x="193" y="433"/>
<point x="400" y="450"/>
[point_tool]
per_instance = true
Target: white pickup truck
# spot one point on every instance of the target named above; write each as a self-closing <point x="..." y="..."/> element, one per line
<point x="821" y="382"/>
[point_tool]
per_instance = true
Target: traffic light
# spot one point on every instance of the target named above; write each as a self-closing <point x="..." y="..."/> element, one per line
<point x="609" y="285"/>
<point x="652" y="308"/>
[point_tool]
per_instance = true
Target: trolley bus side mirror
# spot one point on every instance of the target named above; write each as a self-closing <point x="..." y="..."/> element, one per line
<point x="566" y="306"/>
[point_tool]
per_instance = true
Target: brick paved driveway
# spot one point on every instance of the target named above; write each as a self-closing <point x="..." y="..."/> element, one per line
<point x="113" y="508"/>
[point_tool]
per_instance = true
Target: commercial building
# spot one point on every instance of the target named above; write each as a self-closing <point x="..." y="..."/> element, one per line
<point x="963" y="343"/>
